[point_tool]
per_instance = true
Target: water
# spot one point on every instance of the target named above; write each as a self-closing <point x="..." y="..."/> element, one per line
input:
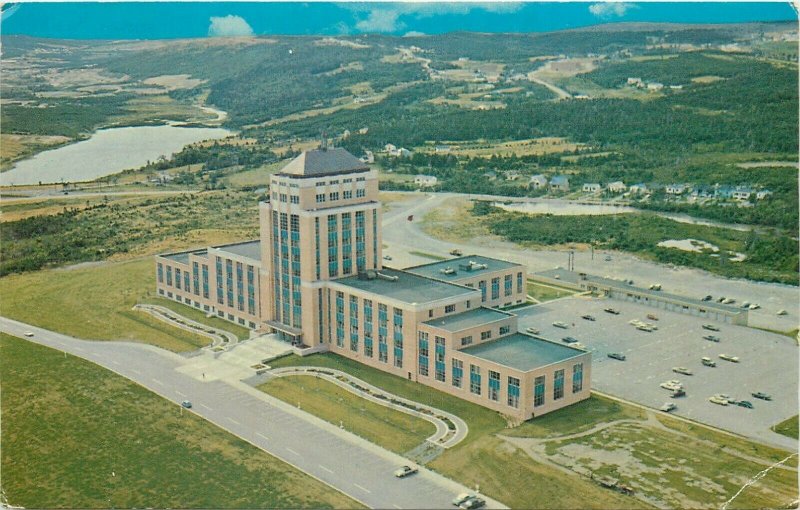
<point x="107" y="152"/>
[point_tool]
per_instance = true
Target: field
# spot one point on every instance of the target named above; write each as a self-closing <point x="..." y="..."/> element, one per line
<point x="395" y="431"/>
<point x="542" y="292"/>
<point x="788" y="428"/>
<point x="78" y="436"/>
<point x="95" y="303"/>
<point x="667" y="462"/>
<point x="519" y="148"/>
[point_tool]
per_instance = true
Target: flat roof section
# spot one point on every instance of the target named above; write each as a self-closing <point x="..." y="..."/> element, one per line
<point x="522" y="352"/>
<point x="460" y="267"/>
<point x="248" y="249"/>
<point x="466" y="320"/>
<point x="574" y="278"/>
<point x="404" y="286"/>
<point x="183" y="257"/>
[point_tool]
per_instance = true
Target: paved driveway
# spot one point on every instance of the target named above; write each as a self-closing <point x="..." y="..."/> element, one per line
<point x="769" y="362"/>
<point x="352" y="465"/>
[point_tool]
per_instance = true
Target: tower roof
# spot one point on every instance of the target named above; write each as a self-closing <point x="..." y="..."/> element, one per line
<point x="320" y="162"/>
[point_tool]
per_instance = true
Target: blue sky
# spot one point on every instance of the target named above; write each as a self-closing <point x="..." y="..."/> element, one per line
<point x="159" y="20"/>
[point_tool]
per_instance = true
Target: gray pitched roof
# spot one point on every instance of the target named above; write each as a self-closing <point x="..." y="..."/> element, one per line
<point x="319" y="162"/>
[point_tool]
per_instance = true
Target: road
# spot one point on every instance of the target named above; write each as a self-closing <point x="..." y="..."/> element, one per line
<point x="402" y="236"/>
<point x="348" y="463"/>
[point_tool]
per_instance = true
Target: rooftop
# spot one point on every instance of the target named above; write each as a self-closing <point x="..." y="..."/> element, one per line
<point x="407" y="287"/>
<point x="183" y="257"/>
<point x="466" y="320"/>
<point x="321" y="162"/>
<point x="247" y="249"/>
<point x="574" y="277"/>
<point x="460" y="268"/>
<point x="522" y="352"/>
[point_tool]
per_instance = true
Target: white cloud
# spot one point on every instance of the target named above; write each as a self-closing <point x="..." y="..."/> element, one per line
<point x="413" y="33"/>
<point x="387" y="17"/>
<point x="611" y="9"/>
<point x="229" y="26"/>
<point x="381" y="20"/>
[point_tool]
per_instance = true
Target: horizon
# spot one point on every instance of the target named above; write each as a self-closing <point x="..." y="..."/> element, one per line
<point x="145" y="21"/>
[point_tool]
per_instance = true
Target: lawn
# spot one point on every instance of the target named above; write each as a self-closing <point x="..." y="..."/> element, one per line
<point x="200" y="316"/>
<point x="542" y="292"/>
<point x="95" y="302"/>
<point x="395" y="431"/>
<point x="787" y="427"/>
<point x="91" y="439"/>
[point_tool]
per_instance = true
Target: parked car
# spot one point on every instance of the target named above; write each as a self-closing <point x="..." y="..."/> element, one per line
<point x="671" y="385"/>
<point x="588" y="317"/>
<point x="645" y="327"/>
<point x="29" y="334"/>
<point x="678" y="393"/>
<point x="652" y="317"/>
<point x="682" y="370"/>
<point x="461" y="498"/>
<point x="706" y="361"/>
<point x="716" y="399"/>
<point x="782" y="312"/>
<point x="754" y="306"/>
<point x="611" y="310"/>
<point x="569" y="340"/>
<point x="711" y="338"/>
<point x="474" y="502"/>
<point x="655" y="286"/>
<point x="669" y="406"/>
<point x="710" y="327"/>
<point x="708" y="298"/>
<point x="721" y="299"/>
<point x="616" y="355"/>
<point x="745" y="403"/>
<point x="532" y="331"/>
<point x="761" y="395"/>
<point x="456" y="253"/>
<point x="405" y="471"/>
<point x="387" y="257"/>
<point x="746" y="304"/>
<point x="187" y="404"/>
<point x="560" y="324"/>
<point x="728" y="357"/>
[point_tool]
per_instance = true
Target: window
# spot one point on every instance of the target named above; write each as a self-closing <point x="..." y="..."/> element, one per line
<point x="360" y="193"/>
<point x="513" y="392"/>
<point x="577" y="377"/>
<point x="169" y="275"/>
<point x="334" y="196"/>
<point x="475" y="379"/>
<point x="508" y="284"/>
<point x="283" y="197"/>
<point x="320" y="197"/>
<point x="519" y="282"/>
<point x="466" y="340"/>
<point x="558" y="384"/>
<point x="294" y="199"/>
<point x="485" y="335"/>
<point x="504" y="330"/>
<point x="458" y="372"/>
<point x="449" y="308"/>
<point x="494" y="385"/>
<point x="496" y="288"/>
<point x="321" y="183"/>
<point x="347" y="195"/>
<point x="177" y="278"/>
<point x="439" y="357"/>
<point x="482" y="286"/>
<point x="160" y="273"/>
<point x="538" y="391"/>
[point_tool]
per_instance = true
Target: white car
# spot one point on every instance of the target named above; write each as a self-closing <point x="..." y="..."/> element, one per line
<point x="405" y="471"/>
<point x="669" y="406"/>
<point x="29" y="334"/>
<point x="671" y="386"/>
<point x="716" y="399"/>
<point x="532" y="331"/>
<point x="682" y="370"/>
<point x="728" y="357"/>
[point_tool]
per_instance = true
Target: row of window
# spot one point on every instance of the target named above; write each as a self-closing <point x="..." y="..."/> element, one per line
<point x="508" y="286"/>
<point x="357" y="305"/>
<point x="196" y="282"/>
<point x="333" y="196"/>
<point x="206" y="308"/>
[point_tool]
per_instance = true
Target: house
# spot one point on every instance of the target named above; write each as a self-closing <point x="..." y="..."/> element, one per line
<point x="490" y="175"/>
<point x="537" y="182"/>
<point x="368" y="157"/>
<point x="637" y="82"/>
<point x="742" y="193"/>
<point x="346" y="134"/>
<point x="425" y="180"/>
<point x="404" y="153"/>
<point x="638" y="188"/>
<point x="390" y="148"/>
<point x="512" y="175"/>
<point x="363" y="131"/>
<point x="617" y="187"/>
<point x="441" y="149"/>
<point x="591" y="187"/>
<point x="723" y="192"/>
<point x="559" y="183"/>
<point x="655" y="86"/>
<point x="762" y="194"/>
<point x="675" y="189"/>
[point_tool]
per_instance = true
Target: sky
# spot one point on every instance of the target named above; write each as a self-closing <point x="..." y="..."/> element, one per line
<point x="165" y="20"/>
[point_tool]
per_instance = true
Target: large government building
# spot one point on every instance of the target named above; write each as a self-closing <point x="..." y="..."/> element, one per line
<point x="316" y="279"/>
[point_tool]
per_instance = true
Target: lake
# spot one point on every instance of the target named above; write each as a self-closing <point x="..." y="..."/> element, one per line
<point x="107" y="152"/>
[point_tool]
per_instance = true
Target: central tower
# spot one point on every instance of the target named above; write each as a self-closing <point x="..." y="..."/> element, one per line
<point x="320" y="223"/>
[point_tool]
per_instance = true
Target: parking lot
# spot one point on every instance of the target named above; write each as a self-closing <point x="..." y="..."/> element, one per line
<point x="768" y="362"/>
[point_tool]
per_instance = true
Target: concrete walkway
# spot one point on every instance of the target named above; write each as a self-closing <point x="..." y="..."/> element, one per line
<point x="220" y="339"/>
<point x="444" y="436"/>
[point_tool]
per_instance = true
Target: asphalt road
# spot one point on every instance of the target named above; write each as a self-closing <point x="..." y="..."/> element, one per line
<point x="402" y="236"/>
<point x="350" y="464"/>
<point x="768" y="362"/>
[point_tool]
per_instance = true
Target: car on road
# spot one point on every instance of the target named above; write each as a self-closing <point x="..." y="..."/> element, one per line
<point x="728" y="357"/>
<point x="532" y="331"/>
<point x="669" y="406"/>
<point x="706" y="361"/>
<point x="611" y="310"/>
<point x="616" y="355"/>
<point x="746" y="304"/>
<point x="782" y="312"/>
<point x="461" y="498"/>
<point x="711" y="338"/>
<point x="745" y="403"/>
<point x="682" y="370"/>
<point x="721" y="299"/>
<point x="569" y="340"/>
<point x="187" y="404"/>
<point x="672" y="385"/>
<point x="678" y="393"/>
<point x="761" y="395"/>
<point x="710" y="327"/>
<point x="560" y="324"/>
<point x="728" y="301"/>
<point x="474" y="502"/>
<point x="645" y="327"/>
<point x="29" y="334"/>
<point x="588" y="317"/>
<point x="754" y="306"/>
<point x="405" y="471"/>
<point x="717" y="399"/>
<point x="707" y="298"/>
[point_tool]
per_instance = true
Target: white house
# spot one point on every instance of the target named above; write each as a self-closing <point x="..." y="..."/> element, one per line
<point x="537" y="182"/>
<point x="390" y="148"/>
<point x="404" y="153"/>
<point x="559" y="183"/>
<point x="655" y="86"/>
<point x="638" y="188"/>
<point x="591" y="187"/>
<point x="762" y="194"/>
<point x="368" y="157"/>
<point x="617" y="187"/>
<point x="425" y="180"/>
<point x="742" y="193"/>
<point x="636" y="82"/>
<point x="675" y="189"/>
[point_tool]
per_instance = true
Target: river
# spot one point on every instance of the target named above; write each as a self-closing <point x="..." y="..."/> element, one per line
<point x="107" y="152"/>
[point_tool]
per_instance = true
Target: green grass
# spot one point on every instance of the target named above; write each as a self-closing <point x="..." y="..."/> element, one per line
<point x="547" y="292"/>
<point x="577" y="418"/>
<point x="427" y="255"/>
<point x="395" y="431"/>
<point x="196" y="315"/>
<point x="78" y="436"/>
<point x="94" y="303"/>
<point x="787" y="427"/>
